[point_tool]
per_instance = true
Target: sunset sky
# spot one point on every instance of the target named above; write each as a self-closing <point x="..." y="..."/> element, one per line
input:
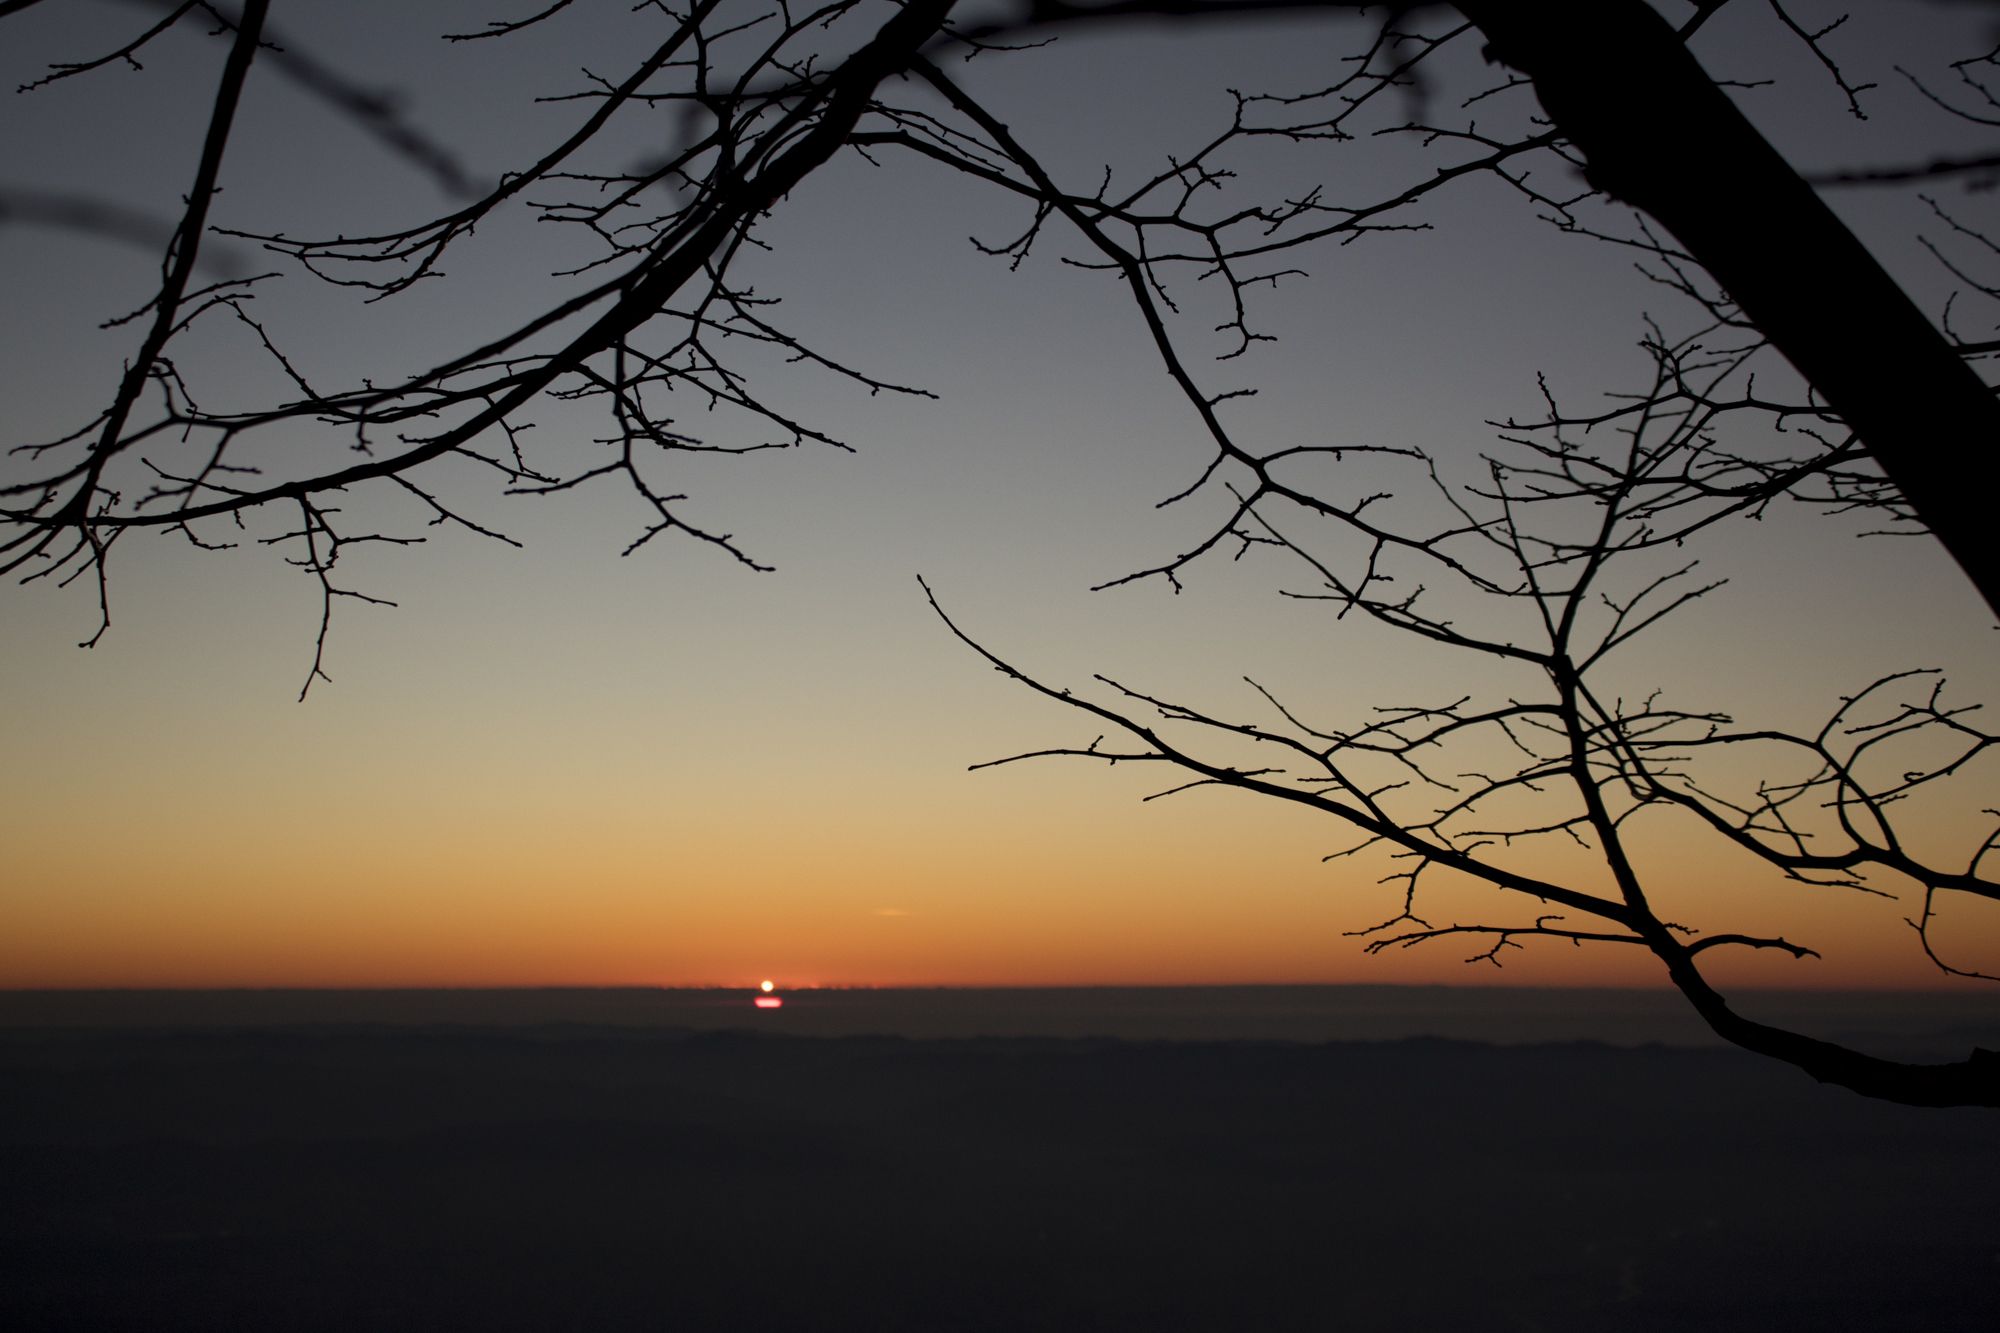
<point x="554" y="766"/>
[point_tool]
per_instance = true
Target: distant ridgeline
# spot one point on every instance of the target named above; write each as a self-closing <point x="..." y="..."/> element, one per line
<point x="1913" y="1024"/>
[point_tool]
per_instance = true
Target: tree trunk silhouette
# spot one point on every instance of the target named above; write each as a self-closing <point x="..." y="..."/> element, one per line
<point x="1660" y="135"/>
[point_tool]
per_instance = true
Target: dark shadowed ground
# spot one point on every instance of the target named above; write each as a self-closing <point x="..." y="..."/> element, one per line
<point x="577" y="1176"/>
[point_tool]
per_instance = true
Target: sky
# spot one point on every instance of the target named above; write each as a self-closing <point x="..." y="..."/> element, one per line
<point x="558" y="766"/>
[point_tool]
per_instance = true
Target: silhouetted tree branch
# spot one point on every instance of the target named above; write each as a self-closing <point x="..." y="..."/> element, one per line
<point x="1470" y="787"/>
<point x="1657" y="133"/>
<point x="774" y="121"/>
<point x="1555" y="529"/>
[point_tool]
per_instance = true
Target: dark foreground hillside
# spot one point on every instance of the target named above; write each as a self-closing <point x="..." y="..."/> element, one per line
<point x="565" y="1178"/>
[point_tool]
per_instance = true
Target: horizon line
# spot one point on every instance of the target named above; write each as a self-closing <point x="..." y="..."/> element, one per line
<point x="1660" y="988"/>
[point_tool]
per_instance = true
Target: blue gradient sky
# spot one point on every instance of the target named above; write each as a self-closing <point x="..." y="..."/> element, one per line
<point x="556" y="766"/>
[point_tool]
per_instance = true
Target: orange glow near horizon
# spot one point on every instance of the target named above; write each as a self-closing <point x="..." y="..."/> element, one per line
<point x="421" y="849"/>
<point x="1112" y="894"/>
<point x="1078" y="928"/>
